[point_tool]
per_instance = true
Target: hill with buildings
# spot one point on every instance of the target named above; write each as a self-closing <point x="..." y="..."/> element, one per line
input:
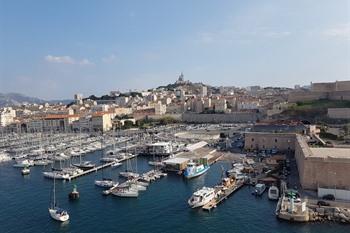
<point x="11" y="99"/>
<point x="16" y="99"/>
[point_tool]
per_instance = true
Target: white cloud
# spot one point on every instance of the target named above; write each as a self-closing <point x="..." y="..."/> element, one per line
<point x="67" y="60"/>
<point x="240" y="35"/>
<point x="109" y="59"/>
<point x="278" y="34"/>
<point x="341" y="31"/>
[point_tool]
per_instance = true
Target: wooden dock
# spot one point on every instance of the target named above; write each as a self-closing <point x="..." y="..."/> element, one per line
<point x="95" y="169"/>
<point x="213" y="203"/>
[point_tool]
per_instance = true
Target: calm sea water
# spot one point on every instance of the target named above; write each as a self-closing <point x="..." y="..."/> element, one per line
<point x="162" y="208"/>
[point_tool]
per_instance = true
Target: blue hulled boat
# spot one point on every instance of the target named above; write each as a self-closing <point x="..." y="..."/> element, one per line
<point x="193" y="170"/>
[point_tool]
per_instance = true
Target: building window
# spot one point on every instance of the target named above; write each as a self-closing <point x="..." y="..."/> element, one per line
<point x="275" y="139"/>
<point x="252" y="139"/>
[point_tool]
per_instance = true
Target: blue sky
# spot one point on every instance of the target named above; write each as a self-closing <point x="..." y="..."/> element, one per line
<point x="53" y="49"/>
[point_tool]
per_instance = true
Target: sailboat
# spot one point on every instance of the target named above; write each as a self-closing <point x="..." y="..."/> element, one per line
<point x="57" y="213"/>
<point x="105" y="182"/>
<point x="84" y="165"/>
<point x="128" y="172"/>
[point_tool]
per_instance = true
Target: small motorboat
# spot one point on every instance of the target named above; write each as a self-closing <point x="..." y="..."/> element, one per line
<point x="25" y="171"/>
<point x="105" y="183"/>
<point x="273" y="193"/>
<point x="259" y="189"/>
<point x="116" y="164"/>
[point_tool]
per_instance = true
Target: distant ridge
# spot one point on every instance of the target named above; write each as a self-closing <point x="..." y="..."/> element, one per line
<point x="15" y="99"/>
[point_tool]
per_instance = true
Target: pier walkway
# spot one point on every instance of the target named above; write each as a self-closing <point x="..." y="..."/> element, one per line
<point x="213" y="203"/>
<point x="95" y="169"/>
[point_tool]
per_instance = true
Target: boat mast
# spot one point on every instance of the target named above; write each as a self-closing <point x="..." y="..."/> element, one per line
<point x="54" y="191"/>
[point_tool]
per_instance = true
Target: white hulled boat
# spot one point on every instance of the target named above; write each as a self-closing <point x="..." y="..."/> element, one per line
<point x="24" y="163"/>
<point x="201" y="197"/>
<point x="126" y="192"/>
<point x="56" y="212"/>
<point x="273" y="193"/>
<point x="105" y="183"/>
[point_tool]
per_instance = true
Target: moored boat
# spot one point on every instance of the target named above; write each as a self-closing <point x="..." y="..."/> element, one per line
<point x="259" y="189"/>
<point x="105" y="183"/>
<point x="273" y="193"/>
<point x="57" y="213"/>
<point x="201" y="197"/>
<point x="25" y="171"/>
<point x="86" y="165"/>
<point x="125" y="192"/>
<point x="193" y="170"/>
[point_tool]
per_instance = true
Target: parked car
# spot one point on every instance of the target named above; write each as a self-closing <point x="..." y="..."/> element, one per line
<point x="329" y="197"/>
<point x="322" y="203"/>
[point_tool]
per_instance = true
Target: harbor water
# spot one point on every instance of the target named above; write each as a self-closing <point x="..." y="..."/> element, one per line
<point x="161" y="208"/>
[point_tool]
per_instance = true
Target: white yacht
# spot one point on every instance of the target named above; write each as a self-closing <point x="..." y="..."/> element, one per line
<point x="56" y="175"/>
<point x="116" y="164"/>
<point x="126" y="192"/>
<point x="273" y="193"/>
<point x="4" y="157"/>
<point x="105" y="183"/>
<point x="128" y="174"/>
<point x="24" y="163"/>
<point x="41" y="162"/>
<point x="133" y="185"/>
<point x="201" y="197"/>
<point x="85" y="165"/>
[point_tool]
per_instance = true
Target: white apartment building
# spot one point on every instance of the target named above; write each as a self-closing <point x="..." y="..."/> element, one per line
<point x="7" y="116"/>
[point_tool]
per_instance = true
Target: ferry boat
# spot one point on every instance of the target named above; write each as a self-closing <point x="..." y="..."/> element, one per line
<point x="201" y="197"/>
<point x="273" y="193"/>
<point x="259" y="189"/>
<point x="193" y="170"/>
